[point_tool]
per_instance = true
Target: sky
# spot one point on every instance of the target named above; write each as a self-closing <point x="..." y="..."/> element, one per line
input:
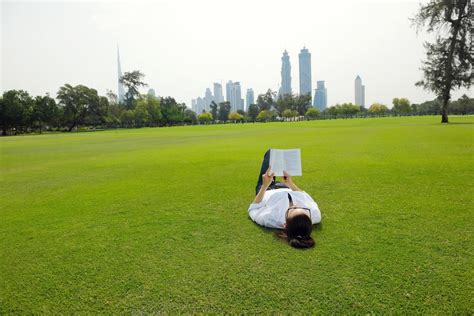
<point x="183" y="47"/>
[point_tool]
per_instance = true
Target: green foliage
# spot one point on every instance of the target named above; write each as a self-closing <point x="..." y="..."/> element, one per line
<point x="401" y="105"/>
<point x="132" y="82"/>
<point x="345" y="109"/>
<point x="266" y="101"/>
<point x="154" y="221"/>
<point x="312" y="113"/>
<point x="224" y="110"/>
<point x="45" y="112"/>
<point x="214" y="109"/>
<point x="253" y="111"/>
<point x="79" y="102"/>
<point x="15" y="110"/>
<point x="378" y="108"/>
<point x="266" y="115"/>
<point x="235" y="116"/>
<point x="205" y="117"/>
<point x="449" y="59"/>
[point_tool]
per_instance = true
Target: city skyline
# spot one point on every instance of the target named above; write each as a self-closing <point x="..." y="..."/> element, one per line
<point x="180" y="61"/>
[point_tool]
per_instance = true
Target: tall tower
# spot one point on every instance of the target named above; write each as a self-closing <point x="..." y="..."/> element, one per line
<point x="359" y="92"/>
<point x="237" y="103"/>
<point x="218" y="96"/>
<point x="305" y="71"/>
<point x="249" y="98"/>
<point x="285" y="74"/>
<point x="121" y="89"/>
<point x="320" y="100"/>
<point x="229" y="93"/>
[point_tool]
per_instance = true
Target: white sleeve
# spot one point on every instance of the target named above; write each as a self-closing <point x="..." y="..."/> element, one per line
<point x="313" y="206"/>
<point x="255" y="212"/>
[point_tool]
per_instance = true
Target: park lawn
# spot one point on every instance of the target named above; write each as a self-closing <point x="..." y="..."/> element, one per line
<point x="155" y="220"/>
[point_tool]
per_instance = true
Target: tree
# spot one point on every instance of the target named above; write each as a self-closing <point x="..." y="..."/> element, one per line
<point x="235" y="116"/>
<point x="253" y="111"/>
<point x="171" y="111"/>
<point x="302" y="103"/>
<point x="463" y="105"/>
<point x="288" y="113"/>
<point x="448" y="64"/>
<point x="132" y="81"/>
<point x="312" y="113"/>
<point x="266" y="101"/>
<point x="378" y="108"/>
<point x="127" y="117"/>
<point x="214" y="109"/>
<point x="190" y="116"/>
<point x="283" y="103"/>
<point x="141" y="115"/>
<point x="266" y="115"/>
<point x="401" y="105"/>
<point x="15" y="110"/>
<point x="205" y="117"/>
<point x="224" y="110"/>
<point x="45" y="111"/>
<point x="79" y="102"/>
<point x="152" y="106"/>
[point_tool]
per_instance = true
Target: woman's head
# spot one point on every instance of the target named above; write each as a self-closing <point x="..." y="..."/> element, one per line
<point x="298" y="230"/>
<point x="298" y="226"/>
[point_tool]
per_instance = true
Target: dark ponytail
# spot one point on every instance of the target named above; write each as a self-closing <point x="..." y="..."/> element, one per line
<point x="297" y="232"/>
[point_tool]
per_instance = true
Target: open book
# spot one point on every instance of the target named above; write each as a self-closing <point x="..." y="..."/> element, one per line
<point x="286" y="159"/>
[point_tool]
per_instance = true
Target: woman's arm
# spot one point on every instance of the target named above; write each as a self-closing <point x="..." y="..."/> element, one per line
<point x="267" y="179"/>
<point x="288" y="181"/>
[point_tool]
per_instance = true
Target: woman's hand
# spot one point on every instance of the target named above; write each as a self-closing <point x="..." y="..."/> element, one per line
<point x="287" y="180"/>
<point x="267" y="177"/>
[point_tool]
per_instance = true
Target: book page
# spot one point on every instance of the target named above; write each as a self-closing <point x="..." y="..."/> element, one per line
<point x="293" y="162"/>
<point x="286" y="159"/>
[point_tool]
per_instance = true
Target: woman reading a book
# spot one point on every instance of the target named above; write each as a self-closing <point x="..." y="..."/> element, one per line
<point x="284" y="206"/>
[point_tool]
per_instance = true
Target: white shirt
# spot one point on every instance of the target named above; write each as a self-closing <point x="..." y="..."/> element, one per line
<point x="271" y="211"/>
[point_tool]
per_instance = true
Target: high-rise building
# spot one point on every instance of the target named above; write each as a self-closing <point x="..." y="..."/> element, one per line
<point x="121" y="89"/>
<point x="151" y="92"/>
<point x="208" y="98"/>
<point x="359" y="91"/>
<point x="218" y="96"/>
<point x="305" y="71"/>
<point x="200" y="105"/>
<point x="194" y="105"/>
<point x="237" y="103"/>
<point x="229" y="91"/>
<point x="320" y="96"/>
<point x="250" y="99"/>
<point x="285" y="88"/>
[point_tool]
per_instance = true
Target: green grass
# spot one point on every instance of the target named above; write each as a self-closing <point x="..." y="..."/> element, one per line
<point x="155" y="220"/>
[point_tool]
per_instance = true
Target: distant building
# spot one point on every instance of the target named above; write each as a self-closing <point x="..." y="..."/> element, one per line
<point x="249" y="98"/>
<point x="305" y="71"/>
<point x="200" y="105"/>
<point x="194" y="105"/>
<point x="229" y="91"/>
<point x="320" y="100"/>
<point x="151" y="92"/>
<point x="121" y="89"/>
<point x="208" y="98"/>
<point x="237" y="102"/>
<point x="359" y="91"/>
<point x="285" y="88"/>
<point x="218" y="96"/>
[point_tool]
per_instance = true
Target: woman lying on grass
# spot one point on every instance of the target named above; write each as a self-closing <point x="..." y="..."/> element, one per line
<point x="284" y="206"/>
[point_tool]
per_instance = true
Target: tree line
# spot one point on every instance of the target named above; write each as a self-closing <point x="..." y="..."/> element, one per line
<point x="81" y="107"/>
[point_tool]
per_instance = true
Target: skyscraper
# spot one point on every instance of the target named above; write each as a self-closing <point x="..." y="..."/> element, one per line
<point x="305" y="71"/>
<point x="237" y="103"/>
<point x="285" y="74"/>
<point x="218" y="97"/>
<point x="320" y="96"/>
<point x="229" y="91"/>
<point x="121" y="89"/>
<point x="359" y="91"/>
<point x="208" y="98"/>
<point x="250" y="99"/>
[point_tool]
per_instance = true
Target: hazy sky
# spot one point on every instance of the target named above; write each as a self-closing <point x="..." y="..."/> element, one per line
<point x="185" y="46"/>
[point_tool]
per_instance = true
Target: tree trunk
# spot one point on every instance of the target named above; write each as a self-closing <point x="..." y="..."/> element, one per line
<point x="444" y="110"/>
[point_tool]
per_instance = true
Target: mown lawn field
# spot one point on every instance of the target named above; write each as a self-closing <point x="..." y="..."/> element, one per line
<point x="155" y="220"/>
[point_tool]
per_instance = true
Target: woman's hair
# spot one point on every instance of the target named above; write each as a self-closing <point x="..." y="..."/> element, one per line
<point x="297" y="232"/>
